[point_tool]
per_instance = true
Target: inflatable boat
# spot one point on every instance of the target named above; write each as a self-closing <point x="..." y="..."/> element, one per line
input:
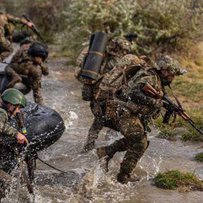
<point x="44" y="127"/>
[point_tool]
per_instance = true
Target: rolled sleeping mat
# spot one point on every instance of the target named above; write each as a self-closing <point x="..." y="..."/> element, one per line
<point x="95" y="56"/>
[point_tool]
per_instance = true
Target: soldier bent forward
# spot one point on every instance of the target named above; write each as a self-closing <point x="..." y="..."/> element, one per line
<point x="139" y="109"/>
<point x="28" y="62"/>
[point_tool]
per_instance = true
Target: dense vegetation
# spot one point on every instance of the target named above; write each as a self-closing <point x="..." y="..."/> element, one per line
<point x="160" y="24"/>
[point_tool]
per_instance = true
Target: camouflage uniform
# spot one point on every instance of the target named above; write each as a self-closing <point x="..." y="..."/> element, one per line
<point x="133" y="120"/>
<point x="5" y="130"/>
<point x="22" y="64"/>
<point x="136" y="111"/>
<point x="116" y="49"/>
<point x="7" y="23"/>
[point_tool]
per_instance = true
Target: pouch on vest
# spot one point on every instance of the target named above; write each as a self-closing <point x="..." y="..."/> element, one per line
<point x="95" y="56"/>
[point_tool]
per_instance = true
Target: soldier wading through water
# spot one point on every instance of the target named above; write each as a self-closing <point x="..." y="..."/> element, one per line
<point x="128" y="108"/>
<point x="136" y="108"/>
<point x="117" y="53"/>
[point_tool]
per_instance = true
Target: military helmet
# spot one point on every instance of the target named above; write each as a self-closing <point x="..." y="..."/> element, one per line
<point x="14" y="97"/>
<point x="167" y="63"/>
<point x="38" y="49"/>
<point x="122" y="43"/>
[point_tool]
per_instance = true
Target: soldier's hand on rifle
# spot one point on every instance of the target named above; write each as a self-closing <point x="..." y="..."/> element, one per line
<point x="30" y="24"/>
<point x="21" y="139"/>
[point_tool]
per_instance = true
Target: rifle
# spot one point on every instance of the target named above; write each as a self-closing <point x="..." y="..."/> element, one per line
<point x="33" y="28"/>
<point x="173" y="106"/>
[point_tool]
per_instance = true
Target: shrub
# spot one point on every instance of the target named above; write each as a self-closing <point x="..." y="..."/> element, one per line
<point x="175" y="179"/>
<point x="161" y="25"/>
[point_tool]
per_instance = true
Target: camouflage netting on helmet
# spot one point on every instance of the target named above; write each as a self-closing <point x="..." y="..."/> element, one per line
<point x="167" y="63"/>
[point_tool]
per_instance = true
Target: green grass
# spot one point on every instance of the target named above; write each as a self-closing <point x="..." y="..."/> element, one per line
<point x="199" y="157"/>
<point x="194" y="135"/>
<point x="192" y="89"/>
<point x="175" y="179"/>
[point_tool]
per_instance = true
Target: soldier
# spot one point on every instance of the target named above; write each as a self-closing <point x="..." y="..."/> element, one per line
<point x="117" y="48"/>
<point x="7" y="23"/>
<point x="12" y="101"/>
<point x="28" y="62"/>
<point x="137" y="110"/>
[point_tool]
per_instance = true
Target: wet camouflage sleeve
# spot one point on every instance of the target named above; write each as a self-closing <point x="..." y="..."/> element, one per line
<point x="3" y="41"/>
<point x="138" y="96"/>
<point x="5" y="128"/>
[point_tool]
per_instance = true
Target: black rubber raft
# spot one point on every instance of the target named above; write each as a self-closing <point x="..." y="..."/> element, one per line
<point x="44" y="126"/>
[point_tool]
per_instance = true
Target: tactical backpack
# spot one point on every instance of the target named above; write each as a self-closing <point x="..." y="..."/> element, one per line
<point x="118" y="77"/>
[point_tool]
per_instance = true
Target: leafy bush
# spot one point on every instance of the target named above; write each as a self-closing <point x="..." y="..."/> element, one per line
<point x="160" y="24"/>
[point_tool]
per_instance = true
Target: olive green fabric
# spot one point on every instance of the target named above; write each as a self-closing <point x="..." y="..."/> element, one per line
<point x="14" y="97"/>
<point x="5" y="128"/>
<point x="7" y="25"/>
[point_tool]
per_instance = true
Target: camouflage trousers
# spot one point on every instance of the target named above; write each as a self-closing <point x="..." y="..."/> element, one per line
<point x="5" y="181"/>
<point x="34" y="77"/>
<point x="102" y="118"/>
<point x="134" y="143"/>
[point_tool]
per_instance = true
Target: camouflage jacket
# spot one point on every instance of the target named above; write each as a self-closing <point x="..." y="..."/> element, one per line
<point x="5" y="128"/>
<point x="7" y="22"/>
<point x="21" y="60"/>
<point x="140" y="102"/>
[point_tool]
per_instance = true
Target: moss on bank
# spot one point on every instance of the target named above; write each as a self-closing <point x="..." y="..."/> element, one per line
<point x="175" y="179"/>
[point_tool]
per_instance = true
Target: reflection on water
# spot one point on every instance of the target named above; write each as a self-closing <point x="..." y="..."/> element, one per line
<point x="85" y="181"/>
